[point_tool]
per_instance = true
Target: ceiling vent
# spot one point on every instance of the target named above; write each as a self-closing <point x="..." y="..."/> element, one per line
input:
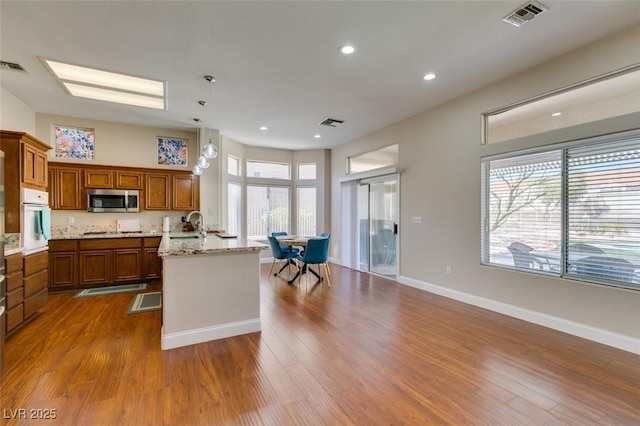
<point x="525" y="13"/>
<point x="331" y="122"/>
<point x="11" y="66"/>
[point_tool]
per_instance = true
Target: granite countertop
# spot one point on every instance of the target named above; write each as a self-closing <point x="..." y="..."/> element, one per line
<point x="87" y="235"/>
<point x="209" y="245"/>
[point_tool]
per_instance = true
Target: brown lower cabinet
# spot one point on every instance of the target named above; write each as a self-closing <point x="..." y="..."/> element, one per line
<point x="27" y="278"/>
<point x="85" y="263"/>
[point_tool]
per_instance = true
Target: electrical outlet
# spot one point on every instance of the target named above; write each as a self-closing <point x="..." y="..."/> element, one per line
<point x="448" y="270"/>
<point x="71" y="220"/>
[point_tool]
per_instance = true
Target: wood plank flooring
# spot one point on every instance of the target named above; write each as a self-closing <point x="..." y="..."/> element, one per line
<point x="366" y="351"/>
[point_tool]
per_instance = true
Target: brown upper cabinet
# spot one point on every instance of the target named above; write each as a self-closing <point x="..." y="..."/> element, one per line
<point x="25" y="166"/>
<point x="157" y="191"/>
<point x="128" y="179"/>
<point x="112" y="179"/>
<point x="65" y="189"/>
<point x="161" y="189"/>
<point x="98" y="178"/>
<point x="185" y="192"/>
<point x="34" y="166"/>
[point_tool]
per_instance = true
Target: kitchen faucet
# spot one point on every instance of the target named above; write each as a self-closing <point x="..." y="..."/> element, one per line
<point x="200" y="225"/>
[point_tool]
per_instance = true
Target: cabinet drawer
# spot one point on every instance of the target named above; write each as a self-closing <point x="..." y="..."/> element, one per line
<point x="35" y="302"/>
<point x="35" y="283"/>
<point x="152" y="242"/>
<point x="14" y="281"/>
<point x="36" y="262"/>
<point x="110" y="243"/>
<point x="13" y="263"/>
<point x="62" y="245"/>
<point x="15" y="317"/>
<point x="14" y="298"/>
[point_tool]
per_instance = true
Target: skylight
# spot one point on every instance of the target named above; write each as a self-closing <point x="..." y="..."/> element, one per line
<point x="109" y="86"/>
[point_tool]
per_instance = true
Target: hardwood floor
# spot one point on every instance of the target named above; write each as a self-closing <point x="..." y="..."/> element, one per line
<point x="366" y="351"/>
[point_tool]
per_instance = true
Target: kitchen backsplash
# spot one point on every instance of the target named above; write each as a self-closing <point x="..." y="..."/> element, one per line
<point x="65" y="222"/>
<point x="79" y="222"/>
<point x="11" y="241"/>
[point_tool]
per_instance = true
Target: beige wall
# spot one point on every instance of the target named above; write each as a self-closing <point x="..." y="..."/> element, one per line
<point x="440" y="155"/>
<point x="15" y="115"/>
<point x="116" y="143"/>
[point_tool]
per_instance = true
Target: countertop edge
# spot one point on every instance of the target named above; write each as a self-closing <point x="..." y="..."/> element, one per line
<point x="106" y="235"/>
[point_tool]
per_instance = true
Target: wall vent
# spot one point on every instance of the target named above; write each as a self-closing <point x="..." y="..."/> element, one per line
<point x="331" y="122"/>
<point x="11" y="66"/>
<point x="525" y="13"/>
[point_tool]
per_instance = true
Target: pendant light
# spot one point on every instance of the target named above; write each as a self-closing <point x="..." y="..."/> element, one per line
<point x="196" y="169"/>
<point x="210" y="151"/>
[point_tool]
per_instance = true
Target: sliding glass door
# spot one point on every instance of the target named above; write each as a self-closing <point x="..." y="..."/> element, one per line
<point x="378" y="218"/>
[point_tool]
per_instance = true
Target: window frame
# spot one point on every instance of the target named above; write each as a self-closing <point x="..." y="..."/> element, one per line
<point x="566" y="210"/>
<point x="348" y="160"/>
<point x="237" y="160"/>
<point x="247" y="162"/>
<point x="289" y="208"/>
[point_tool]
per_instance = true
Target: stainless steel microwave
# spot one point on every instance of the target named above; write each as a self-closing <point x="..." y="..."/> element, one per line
<point x="113" y="201"/>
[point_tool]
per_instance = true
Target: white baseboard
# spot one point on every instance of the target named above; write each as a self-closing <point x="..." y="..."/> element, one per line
<point x="335" y="260"/>
<point x="206" y="334"/>
<point x="605" y="337"/>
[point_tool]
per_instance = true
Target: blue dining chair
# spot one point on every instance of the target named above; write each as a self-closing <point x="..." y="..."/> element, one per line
<point x="285" y="247"/>
<point x="316" y="253"/>
<point x="278" y="255"/>
<point x="325" y="235"/>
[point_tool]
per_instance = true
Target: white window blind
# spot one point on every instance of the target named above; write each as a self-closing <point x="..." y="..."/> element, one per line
<point x="267" y="210"/>
<point x="306" y="211"/>
<point x="234" y="208"/>
<point x="603" y="198"/>
<point x="523" y="197"/>
<point x="592" y="233"/>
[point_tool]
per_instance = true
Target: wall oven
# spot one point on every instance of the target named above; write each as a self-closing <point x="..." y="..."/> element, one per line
<point x="36" y="220"/>
<point x="113" y="201"/>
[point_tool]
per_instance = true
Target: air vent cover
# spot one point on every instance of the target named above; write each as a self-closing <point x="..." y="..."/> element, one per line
<point x="11" y="66"/>
<point x="525" y="13"/>
<point x="331" y="122"/>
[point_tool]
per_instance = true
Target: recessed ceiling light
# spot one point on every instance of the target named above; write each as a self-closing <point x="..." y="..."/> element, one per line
<point x="556" y="114"/>
<point x="264" y="128"/>
<point x="347" y="49"/>
<point x="317" y="136"/>
<point x="429" y="76"/>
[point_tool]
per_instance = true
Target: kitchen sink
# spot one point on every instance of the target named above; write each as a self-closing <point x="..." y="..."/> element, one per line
<point x="184" y="235"/>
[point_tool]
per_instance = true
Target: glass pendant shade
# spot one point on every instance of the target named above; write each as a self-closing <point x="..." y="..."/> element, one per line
<point x="210" y="151"/>
<point x="203" y="162"/>
<point x="196" y="170"/>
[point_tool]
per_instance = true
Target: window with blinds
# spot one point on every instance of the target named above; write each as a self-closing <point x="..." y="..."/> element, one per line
<point x="572" y="211"/>
<point x="603" y="205"/>
<point x="234" y="208"/>
<point x="267" y="210"/>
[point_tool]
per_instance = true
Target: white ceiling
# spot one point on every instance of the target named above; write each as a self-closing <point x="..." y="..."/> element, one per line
<point x="277" y="63"/>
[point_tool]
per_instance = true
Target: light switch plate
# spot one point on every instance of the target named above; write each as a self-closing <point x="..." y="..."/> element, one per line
<point x="416" y="219"/>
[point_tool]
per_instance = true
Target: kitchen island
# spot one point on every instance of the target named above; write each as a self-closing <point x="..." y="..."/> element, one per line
<point x="210" y="288"/>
